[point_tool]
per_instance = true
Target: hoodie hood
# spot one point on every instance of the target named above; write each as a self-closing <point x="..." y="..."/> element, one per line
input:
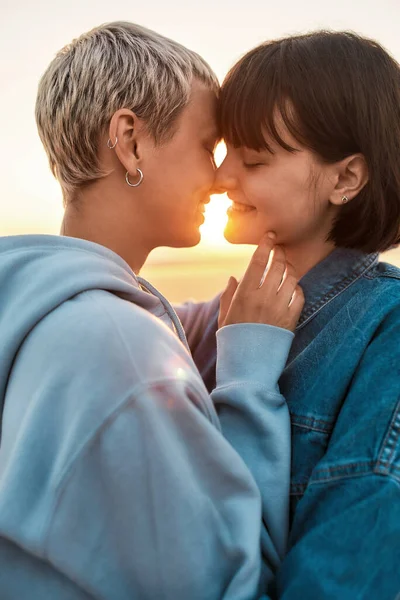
<point x="40" y="272"/>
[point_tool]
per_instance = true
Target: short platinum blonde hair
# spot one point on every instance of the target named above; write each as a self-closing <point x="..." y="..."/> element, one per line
<point x="117" y="65"/>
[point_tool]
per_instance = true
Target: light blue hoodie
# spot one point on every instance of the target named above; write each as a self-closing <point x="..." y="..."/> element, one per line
<point x="116" y="481"/>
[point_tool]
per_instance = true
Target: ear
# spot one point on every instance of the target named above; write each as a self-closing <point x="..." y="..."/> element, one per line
<point x="352" y="176"/>
<point x="128" y="133"/>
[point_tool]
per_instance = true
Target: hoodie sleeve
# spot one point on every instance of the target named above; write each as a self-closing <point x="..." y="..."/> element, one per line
<point x="199" y="319"/>
<point x="200" y="322"/>
<point x="159" y="503"/>
<point x="255" y="420"/>
<point x="252" y="412"/>
<point x="251" y="358"/>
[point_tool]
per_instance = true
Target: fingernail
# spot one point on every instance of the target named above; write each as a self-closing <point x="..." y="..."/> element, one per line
<point x="271" y="235"/>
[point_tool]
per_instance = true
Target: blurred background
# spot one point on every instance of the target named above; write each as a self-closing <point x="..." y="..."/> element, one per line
<point x="221" y="31"/>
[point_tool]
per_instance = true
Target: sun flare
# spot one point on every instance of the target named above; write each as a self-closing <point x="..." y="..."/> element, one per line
<point x="212" y="231"/>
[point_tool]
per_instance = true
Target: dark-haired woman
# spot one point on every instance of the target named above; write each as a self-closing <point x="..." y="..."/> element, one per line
<point x="312" y="126"/>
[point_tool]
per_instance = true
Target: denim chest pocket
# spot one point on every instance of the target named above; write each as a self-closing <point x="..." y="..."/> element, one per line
<point x="310" y="438"/>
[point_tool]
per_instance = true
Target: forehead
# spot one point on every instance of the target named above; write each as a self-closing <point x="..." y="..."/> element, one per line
<point x="254" y="110"/>
<point x="201" y="112"/>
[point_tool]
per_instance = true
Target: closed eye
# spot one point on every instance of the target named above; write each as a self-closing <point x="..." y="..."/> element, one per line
<point x="252" y="165"/>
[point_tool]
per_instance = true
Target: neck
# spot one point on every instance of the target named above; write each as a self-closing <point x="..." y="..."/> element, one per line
<point x="305" y="256"/>
<point x="98" y="220"/>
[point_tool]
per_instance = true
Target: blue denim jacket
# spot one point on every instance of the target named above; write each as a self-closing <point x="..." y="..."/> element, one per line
<point x="342" y="385"/>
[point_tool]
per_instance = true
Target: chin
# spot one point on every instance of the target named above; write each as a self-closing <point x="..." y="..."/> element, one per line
<point x="234" y="236"/>
<point x="186" y="240"/>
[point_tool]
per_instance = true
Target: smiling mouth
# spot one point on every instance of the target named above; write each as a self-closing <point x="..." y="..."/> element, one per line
<point x="237" y="207"/>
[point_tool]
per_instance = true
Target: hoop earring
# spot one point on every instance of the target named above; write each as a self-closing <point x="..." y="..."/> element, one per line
<point x="344" y="199"/>
<point x="134" y="184"/>
<point x="109" y="143"/>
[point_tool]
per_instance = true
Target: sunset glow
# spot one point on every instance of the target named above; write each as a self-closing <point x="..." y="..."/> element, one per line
<point x="212" y="232"/>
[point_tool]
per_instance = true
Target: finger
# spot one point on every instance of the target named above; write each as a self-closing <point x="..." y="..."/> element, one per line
<point x="289" y="284"/>
<point x="297" y="303"/>
<point x="226" y="300"/>
<point x="258" y="263"/>
<point x="275" y="270"/>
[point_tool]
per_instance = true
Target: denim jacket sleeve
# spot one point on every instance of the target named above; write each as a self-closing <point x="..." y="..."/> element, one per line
<point x="345" y="538"/>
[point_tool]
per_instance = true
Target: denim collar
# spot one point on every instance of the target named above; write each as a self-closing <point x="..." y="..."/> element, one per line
<point x="340" y="269"/>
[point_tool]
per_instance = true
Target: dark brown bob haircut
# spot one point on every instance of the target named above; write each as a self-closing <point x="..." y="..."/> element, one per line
<point x="338" y="94"/>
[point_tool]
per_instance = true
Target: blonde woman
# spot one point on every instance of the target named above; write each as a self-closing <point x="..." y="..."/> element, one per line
<point x="116" y="481"/>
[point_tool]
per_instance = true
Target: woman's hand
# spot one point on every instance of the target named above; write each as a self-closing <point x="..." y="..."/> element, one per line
<point x="268" y="293"/>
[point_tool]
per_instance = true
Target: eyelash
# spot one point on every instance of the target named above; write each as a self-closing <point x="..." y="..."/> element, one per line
<point x="251" y="165"/>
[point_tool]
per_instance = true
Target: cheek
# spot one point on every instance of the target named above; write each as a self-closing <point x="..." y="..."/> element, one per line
<point x="288" y="189"/>
<point x="266" y="190"/>
<point x="196" y="172"/>
<point x="282" y="200"/>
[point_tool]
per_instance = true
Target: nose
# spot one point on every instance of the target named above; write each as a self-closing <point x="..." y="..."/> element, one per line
<point x="224" y="181"/>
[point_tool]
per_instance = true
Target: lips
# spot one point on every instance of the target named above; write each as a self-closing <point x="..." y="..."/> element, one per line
<point x="239" y="207"/>
<point x="202" y="205"/>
